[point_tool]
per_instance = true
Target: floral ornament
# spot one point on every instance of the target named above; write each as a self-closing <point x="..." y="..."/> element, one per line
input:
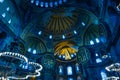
<point x="12" y="70"/>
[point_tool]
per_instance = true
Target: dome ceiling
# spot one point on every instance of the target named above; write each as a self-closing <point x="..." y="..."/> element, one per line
<point x="61" y="22"/>
<point x="65" y="23"/>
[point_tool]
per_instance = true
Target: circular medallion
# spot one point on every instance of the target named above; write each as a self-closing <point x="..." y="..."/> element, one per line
<point x="48" y="61"/>
<point x="83" y="55"/>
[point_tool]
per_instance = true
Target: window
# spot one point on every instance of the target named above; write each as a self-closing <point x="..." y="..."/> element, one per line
<point x="69" y="70"/>
<point x="60" y="70"/>
<point x="91" y="42"/>
<point x="77" y="68"/>
<point x="1" y="1"/>
<point x="75" y="32"/>
<point x="83" y="24"/>
<point x="29" y="49"/>
<point x="98" y="60"/>
<point x="103" y="75"/>
<point x="96" y="55"/>
<point x="70" y="78"/>
<point x="97" y="40"/>
<point x="50" y="36"/>
<point x="61" y="78"/>
<point x="4" y="15"/>
<point x="9" y="21"/>
<point x="63" y="36"/>
<point x="40" y="32"/>
<point x="34" y="51"/>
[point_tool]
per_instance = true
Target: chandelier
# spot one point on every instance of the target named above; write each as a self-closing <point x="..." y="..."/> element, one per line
<point x="47" y="3"/>
<point x="17" y="66"/>
<point x="112" y="78"/>
<point x="113" y="67"/>
<point x="118" y="7"/>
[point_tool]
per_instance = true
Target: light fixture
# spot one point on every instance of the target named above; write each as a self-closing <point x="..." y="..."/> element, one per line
<point x="72" y="55"/>
<point x="96" y="54"/>
<point x="63" y="57"/>
<point x="118" y="7"/>
<point x="15" y="55"/>
<point x="60" y="1"/>
<point x="37" y="67"/>
<point x="112" y="78"/>
<point x="69" y="70"/>
<point x="64" y="0"/>
<point x="46" y="4"/>
<point x="113" y="67"/>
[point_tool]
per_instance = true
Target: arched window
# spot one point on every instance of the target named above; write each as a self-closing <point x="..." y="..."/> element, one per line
<point x="70" y="78"/>
<point x="69" y="70"/>
<point x="77" y="68"/>
<point x="29" y="49"/>
<point x="60" y="70"/>
<point x="103" y="75"/>
<point x="34" y="51"/>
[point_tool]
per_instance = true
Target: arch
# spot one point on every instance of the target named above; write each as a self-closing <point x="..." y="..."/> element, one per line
<point x="36" y="44"/>
<point x="94" y="33"/>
